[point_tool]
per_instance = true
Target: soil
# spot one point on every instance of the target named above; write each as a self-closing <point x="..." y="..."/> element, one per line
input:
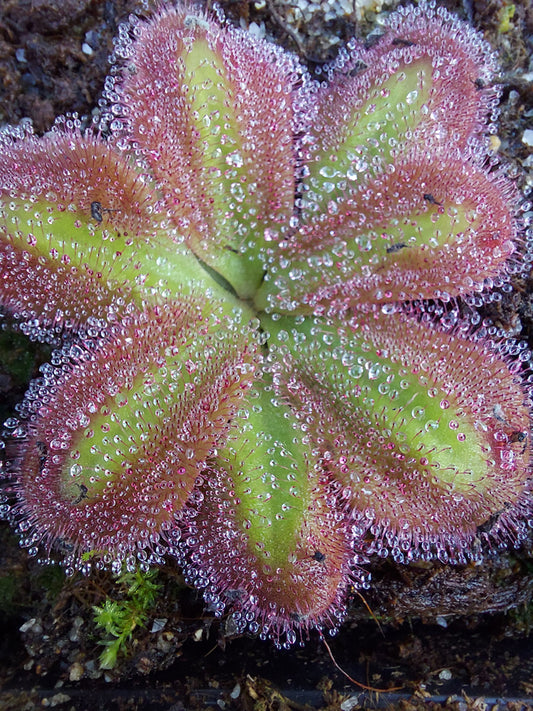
<point x="436" y="637"/>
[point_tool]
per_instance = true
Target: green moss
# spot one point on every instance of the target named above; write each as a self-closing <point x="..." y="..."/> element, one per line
<point x="118" y="619"/>
<point x="506" y="14"/>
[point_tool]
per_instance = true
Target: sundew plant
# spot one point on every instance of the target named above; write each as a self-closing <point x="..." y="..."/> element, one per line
<point x="271" y="365"/>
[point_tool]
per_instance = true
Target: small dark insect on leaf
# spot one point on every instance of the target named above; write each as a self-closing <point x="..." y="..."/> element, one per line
<point x="43" y="449"/>
<point x="319" y="556"/>
<point x="82" y="495"/>
<point x="64" y="546"/>
<point x="96" y="211"/>
<point x="510" y="79"/>
<point x="429" y="198"/>
<point x="519" y="437"/>
<point x="489" y="524"/>
<point x="373" y="39"/>
<point x="402" y="42"/>
<point x="396" y="247"/>
<point x="498" y="413"/>
<point x="357" y="69"/>
<point x="235" y="594"/>
<point x="192" y="21"/>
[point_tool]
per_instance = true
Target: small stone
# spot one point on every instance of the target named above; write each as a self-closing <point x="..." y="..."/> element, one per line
<point x="527" y="137"/>
<point x="164" y="642"/>
<point x="75" y="672"/>
<point x="32" y="626"/>
<point x="55" y="700"/>
<point x="158" y="624"/>
<point x="92" y="39"/>
<point x="92" y="671"/>
<point x="236" y="691"/>
<point x="74" y="634"/>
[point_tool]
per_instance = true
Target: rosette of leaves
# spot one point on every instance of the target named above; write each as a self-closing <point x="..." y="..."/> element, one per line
<point x="258" y="279"/>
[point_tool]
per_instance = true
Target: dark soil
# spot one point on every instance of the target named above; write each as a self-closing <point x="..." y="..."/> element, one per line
<point x="438" y="636"/>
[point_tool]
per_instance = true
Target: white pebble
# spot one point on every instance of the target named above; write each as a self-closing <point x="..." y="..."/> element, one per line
<point x="527" y="137"/>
